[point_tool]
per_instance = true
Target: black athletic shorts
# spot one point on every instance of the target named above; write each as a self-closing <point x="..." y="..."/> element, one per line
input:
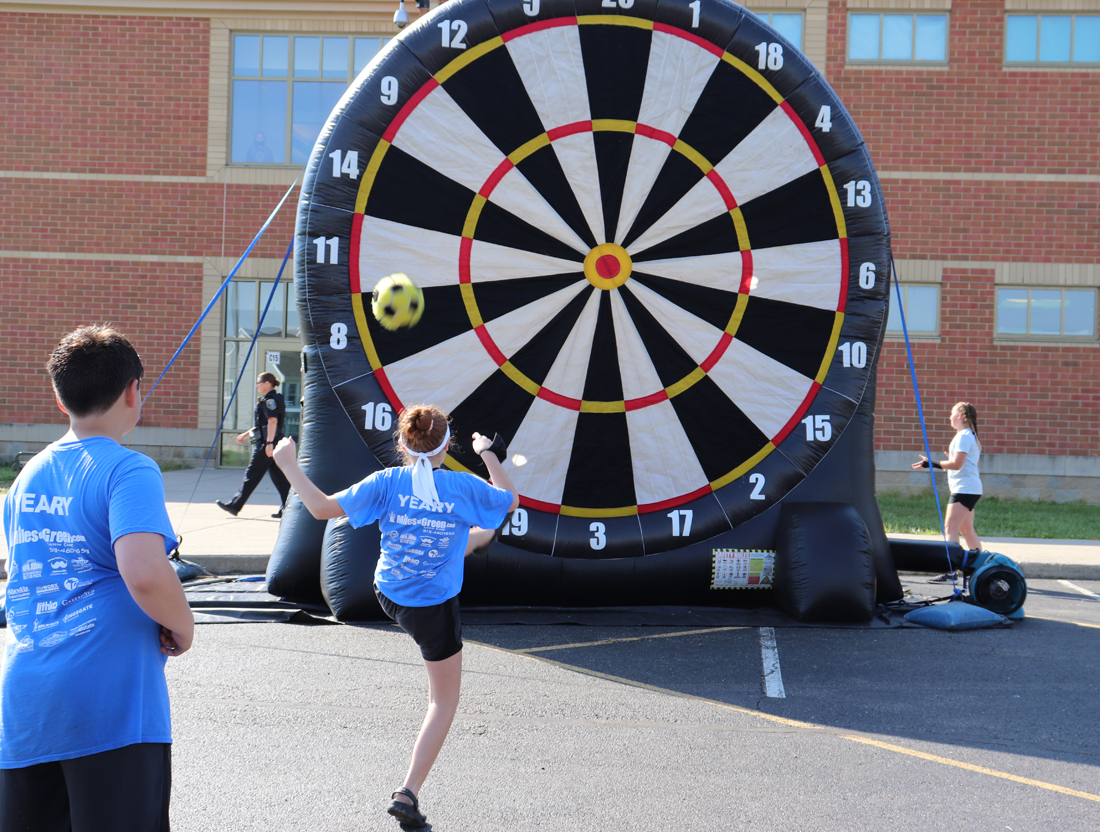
<point x="436" y="629"/>
<point x="967" y="501"/>
<point x="122" y="790"/>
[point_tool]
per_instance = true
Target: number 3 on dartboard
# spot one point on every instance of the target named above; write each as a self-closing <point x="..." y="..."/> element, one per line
<point x="599" y="533"/>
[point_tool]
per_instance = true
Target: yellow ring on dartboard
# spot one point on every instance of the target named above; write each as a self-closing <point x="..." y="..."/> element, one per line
<point x="608" y="266"/>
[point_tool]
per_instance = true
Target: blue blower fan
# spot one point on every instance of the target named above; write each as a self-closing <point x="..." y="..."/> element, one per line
<point x="997" y="584"/>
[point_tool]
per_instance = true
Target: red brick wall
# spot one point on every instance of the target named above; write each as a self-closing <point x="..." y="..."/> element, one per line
<point x="1039" y="399"/>
<point x="153" y="304"/>
<point x="123" y="96"/>
<point x="104" y="94"/>
<point x="975" y="117"/>
<point x="147" y="218"/>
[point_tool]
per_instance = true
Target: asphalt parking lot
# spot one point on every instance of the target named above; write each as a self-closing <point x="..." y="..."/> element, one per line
<point x="283" y="727"/>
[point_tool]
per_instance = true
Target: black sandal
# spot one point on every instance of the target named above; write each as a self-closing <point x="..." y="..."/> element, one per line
<point x="407" y="815"/>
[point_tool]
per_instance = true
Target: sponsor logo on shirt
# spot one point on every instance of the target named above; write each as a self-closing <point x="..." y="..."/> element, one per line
<point x="24" y="645"/>
<point x="13" y="613"/>
<point x="45" y="536"/>
<point x="391" y="535"/>
<point x="79" y="597"/>
<point x="408" y="539"/>
<point x="75" y="583"/>
<point x="46" y="503"/>
<point x="396" y="573"/>
<point x="83" y="628"/>
<point x="71" y="615"/>
<point x="430" y="574"/>
<point x="434" y="553"/>
<point x="444" y="542"/>
<point x="415" y="551"/>
<point x="46" y="589"/>
<point x="51" y="640"/>
<point x="45" y="607"/>
<point x="393" y="547"/>
<point x="81" y="564"/>
<point x="427" y="541"/>
<point x="38" y="626"/>
<point x="413" y="561"/>
<point x="18" y="593"/>
<point x="32" y="569"/>
<point x="425" y="522"/>
<point x="59" y="566"/>
<point x="17" y="628"/>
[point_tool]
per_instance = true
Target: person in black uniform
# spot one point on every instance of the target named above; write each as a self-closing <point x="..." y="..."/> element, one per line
<point x="266" y="431"/>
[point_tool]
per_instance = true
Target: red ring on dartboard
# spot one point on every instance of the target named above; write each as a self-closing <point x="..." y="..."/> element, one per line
<point x="465" y="274"/>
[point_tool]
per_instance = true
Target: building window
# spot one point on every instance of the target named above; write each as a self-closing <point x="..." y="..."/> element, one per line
<point x="897" y="38"/>
<point x="921" y="302"/>
<point x="1052" y="39"/>
<point x="276" y="351"/>
<point x="284" y="87"/>
<point x="1047" y="314"/>
<point x="787" y="24"/>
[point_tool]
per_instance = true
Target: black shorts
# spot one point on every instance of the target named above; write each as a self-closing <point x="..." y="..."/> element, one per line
<point x="967" y="501"/>
<point x="436" y="629"/>
<point x="122" y="790"/>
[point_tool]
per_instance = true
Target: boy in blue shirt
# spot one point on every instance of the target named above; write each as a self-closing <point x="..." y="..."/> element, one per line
<point x="94" y="609"/>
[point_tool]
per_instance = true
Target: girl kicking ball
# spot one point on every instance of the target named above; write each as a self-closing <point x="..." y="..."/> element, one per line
<point x="420" y="593"/>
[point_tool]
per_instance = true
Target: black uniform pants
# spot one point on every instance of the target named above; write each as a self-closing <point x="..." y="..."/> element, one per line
<point x="258" y="465"/>
<point x="123" y="790"/>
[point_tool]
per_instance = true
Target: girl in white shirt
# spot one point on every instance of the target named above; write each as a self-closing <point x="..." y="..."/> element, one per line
<point x="963" y="480"/>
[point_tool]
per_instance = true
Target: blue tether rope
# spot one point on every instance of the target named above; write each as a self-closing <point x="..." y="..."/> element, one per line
<point x="244" y="366"/>
<point x="218" y="294"/>
<point x="923" y="427"/>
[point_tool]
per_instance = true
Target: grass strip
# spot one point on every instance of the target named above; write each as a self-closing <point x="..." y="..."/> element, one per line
<point x="994" y="517"/>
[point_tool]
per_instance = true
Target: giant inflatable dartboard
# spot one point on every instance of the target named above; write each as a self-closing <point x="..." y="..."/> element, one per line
<point x="653" y="253"/>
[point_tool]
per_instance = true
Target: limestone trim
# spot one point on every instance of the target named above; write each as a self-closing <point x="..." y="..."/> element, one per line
<point x="1005" y="273"/>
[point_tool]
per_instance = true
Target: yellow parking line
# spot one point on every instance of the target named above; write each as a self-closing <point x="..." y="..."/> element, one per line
<point x="526" y="650"/>
<point x="792" y="723"/>
<point x="1027" y="781"/>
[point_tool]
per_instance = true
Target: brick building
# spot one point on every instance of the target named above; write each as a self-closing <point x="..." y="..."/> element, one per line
<point x="143" y="146"/>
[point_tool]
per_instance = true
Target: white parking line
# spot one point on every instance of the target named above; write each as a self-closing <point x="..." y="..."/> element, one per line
<point x="1080" y="589"/>
<point x="769" y="653"/>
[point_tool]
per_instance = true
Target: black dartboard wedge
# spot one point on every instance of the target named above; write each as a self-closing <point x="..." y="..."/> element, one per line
<point x="653" y="250"/>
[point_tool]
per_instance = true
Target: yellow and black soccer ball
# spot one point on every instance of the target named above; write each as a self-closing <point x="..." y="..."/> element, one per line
<point x="397" y="302"/>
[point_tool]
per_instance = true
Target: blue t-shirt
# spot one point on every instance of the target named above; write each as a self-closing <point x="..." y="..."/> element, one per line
<point x="422" y="549"/>
<point x="83" y="671"/>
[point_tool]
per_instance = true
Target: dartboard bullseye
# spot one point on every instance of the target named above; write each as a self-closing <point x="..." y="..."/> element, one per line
<point x="652" y="248"/>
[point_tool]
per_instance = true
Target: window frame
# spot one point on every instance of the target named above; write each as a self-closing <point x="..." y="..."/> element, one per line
<point x="924" y="333"/>
<point x="289" y="80"/>
<point x="1038" y="40"/>
<point x="907" y="62"/>
<point x="766" y="15"/>
<point x="1029" y="336"/>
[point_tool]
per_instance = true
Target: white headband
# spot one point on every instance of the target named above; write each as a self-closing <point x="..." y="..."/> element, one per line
<point x="422" y="479"/>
